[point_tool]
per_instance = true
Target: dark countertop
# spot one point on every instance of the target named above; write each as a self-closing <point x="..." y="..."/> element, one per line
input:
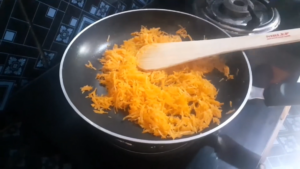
<point x="45" y="110"/>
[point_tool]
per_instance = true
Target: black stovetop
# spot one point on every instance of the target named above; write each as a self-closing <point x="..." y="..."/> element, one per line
<point x="45" y="110"/>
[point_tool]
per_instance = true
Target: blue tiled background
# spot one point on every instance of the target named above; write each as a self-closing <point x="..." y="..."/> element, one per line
<point x="285" y="153"/>
<point x="55" y="23"/>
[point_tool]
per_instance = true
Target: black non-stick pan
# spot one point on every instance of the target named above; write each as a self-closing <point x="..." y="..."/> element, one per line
<point x="91" y="43"/>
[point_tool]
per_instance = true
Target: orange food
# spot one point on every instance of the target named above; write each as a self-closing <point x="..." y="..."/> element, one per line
<point x="86" y="88"/>
<point x="230" y="111"/>
<point x="183" y="33"/>
<point x="90" y="66"/>
<point x="168" y="105"/>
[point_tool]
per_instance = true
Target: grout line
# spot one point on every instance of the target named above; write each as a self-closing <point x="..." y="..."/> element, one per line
<point x="77" y="6"/>
<point x="288" y="133"/>
<point x="61" y="43"/>
<point x="58" y="5"/>
<point x="49" y="5"/>
<point x="275" y="133"/>
<point x="78" y="22"/>
<point x="39" y="48"/>
<point x="40" y="26"/>
<point x="35" y="11"/>
<point x="18" y="19"/>
<point x="20" y="44"/>
<point x="280" y="162"/>
<point x="29" y="27"/>
<point x="5" y="62"/>
<point x="10" y="85"/>
<point x="27" y="46"/>
<point x="61" y="11"/>
<point x="47" y="34"/>
<point x="93" y="16"/>
<point x="294" y="115"/>
<point x="53" y="6"/>
<point x="294" y="153"/>
<point x="24" y="67"/>
<point x="26" y="35"/>
<point x="9" y="18"/>
<point x="36" y="62"/>
<point x="51" y="24"/>
<point x="13" y="76"/>
<point x="59" y="26"/>
<point x="8" y="55"/>
<point x="269" y="164"/>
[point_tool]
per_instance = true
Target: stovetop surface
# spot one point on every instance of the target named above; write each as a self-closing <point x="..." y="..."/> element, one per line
<point x="46" y="111"/>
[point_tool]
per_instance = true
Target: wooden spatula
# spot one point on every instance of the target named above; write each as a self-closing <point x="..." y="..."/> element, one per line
<point x="163" y="55"/>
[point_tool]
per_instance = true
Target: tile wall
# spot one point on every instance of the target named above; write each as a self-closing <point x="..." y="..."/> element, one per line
<point x="54" y="23"/>
<point x="285" y="153"/>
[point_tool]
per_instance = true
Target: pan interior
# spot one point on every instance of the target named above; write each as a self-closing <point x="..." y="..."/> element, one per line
<point x="92" y="43"/>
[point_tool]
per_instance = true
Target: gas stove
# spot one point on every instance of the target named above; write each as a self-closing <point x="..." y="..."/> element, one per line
<point x="239" y="17"/>
<point x="57" y="122"/>
<point x="86" y="147"/>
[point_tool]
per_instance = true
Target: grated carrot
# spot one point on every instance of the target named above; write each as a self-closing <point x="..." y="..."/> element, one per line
<point x="183" y="33"/>
<point x="230" y="111"/>
<point x="86" y="88"/>
<point x="216" y="121"/>
<point x="230" y="77"/>
<point x="90" y="66"/>
<point x="100" y="111"/>
<point x="168" y="105"/>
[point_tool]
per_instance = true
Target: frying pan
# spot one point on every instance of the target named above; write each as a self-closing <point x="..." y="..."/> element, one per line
<point x="91" y="43"/>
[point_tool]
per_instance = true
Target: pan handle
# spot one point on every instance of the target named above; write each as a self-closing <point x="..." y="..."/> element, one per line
<point x="232" y="152"/>
<point x="282" y="94"/>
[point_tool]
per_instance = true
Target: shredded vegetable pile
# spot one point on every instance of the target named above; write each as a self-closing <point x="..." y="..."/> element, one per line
<point x="168" y="105"/>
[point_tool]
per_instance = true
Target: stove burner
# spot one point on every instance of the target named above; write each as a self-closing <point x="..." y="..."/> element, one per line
<point x="238" y="6"/>
<point x="241" y="17"/>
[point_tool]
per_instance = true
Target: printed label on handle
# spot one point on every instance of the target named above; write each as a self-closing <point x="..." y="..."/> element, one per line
<point x="278" y="35"/>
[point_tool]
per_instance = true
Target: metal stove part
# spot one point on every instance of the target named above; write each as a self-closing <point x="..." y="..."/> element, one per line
<point x="238" y="6"/>
<point x="234" y="15"/>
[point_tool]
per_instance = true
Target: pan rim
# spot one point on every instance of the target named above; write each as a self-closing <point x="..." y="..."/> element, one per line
<point x="180" y="140"/>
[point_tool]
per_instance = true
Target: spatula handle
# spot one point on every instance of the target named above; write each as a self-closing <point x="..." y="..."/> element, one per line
<point x="256" y="41"/>
<point x="170" y="54"/>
